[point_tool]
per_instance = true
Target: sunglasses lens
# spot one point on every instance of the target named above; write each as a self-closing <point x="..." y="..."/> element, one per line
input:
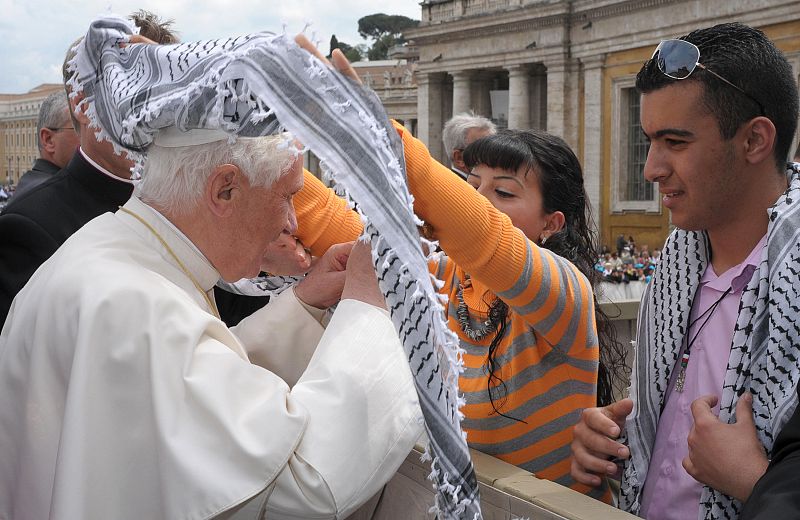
<point x="676" y="58"/>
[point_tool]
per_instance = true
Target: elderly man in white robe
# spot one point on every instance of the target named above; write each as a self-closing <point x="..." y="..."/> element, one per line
<point x="122" y="394"/>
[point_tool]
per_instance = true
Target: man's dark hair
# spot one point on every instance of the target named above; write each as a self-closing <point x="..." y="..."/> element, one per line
<point x="748" y="59"/>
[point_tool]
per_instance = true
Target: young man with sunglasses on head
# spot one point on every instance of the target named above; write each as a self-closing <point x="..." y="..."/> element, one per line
<point x="716" y="361"/>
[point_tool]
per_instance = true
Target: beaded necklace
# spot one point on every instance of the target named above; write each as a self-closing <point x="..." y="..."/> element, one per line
<point x="497" y="310"/>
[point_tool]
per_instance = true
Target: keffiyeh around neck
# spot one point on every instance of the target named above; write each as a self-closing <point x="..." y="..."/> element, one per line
<point x="261" y="84"/>
<point x="763" y="358"/>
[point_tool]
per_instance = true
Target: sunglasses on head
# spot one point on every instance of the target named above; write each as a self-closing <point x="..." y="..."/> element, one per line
<point x="677" y="59"/>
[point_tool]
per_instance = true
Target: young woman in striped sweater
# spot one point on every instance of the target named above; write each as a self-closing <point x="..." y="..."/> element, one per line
<point x="517" y="265"/>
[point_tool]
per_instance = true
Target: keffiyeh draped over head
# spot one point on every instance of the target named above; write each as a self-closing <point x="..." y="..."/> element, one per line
<point x="262" y="84"/>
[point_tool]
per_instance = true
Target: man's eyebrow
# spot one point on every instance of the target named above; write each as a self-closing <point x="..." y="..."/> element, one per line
<point x="672" y="131"/>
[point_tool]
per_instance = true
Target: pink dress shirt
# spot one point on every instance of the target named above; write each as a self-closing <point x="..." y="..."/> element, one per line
<point x="669" y="492"/>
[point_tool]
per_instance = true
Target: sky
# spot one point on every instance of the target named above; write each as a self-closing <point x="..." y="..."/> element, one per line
<point x="35" y="34"/>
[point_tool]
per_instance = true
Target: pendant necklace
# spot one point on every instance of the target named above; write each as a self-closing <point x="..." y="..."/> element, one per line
<point x="681" y="380"/>
<point x="497" y="310"/>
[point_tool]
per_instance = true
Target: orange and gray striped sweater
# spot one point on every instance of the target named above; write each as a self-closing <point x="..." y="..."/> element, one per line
<point x="548" y="358"/>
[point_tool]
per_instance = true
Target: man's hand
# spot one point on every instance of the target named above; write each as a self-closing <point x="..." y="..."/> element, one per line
<point x="338" y="58"/>
<point x="593" y="444"/>
<point x="726" y="457"/>
<point x="286" y="256"/>
<point x="322" y="286"/>
<point x="362" y="284"/>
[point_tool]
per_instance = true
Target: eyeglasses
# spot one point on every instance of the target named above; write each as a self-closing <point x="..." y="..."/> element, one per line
<point x="677" y="59"/>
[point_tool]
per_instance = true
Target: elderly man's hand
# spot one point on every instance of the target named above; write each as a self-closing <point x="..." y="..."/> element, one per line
<point x="362" y="284"/>
<point x="726" y="457"/>
<point x="322" y="286"/>
<point x="593" y="443"/>
<point x="286" y="256"/>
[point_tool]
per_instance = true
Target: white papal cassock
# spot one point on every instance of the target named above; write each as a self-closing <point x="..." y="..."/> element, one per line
<point x="122" y="397"/>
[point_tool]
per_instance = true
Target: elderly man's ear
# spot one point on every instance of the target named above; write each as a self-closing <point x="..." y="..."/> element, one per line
<point x="224" y="189"/>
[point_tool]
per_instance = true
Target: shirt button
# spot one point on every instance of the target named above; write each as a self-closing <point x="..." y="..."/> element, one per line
<point x="668" y="471"/>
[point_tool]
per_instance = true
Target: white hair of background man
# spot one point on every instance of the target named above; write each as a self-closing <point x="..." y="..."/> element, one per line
<point x="53" y="114"/>
<point x="174" y="177"/>
<point x="454" y="134"/>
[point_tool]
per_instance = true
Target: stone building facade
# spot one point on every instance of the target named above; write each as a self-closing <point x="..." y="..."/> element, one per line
<point x="19" y="114"/>
<point x="394" y="82"/>
<point x="568" y="66"/>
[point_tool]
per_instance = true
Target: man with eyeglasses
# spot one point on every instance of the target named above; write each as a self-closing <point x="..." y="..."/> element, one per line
<point x="458" y="133"/>
<point x="56" y="140"/>
<point x="716" y="359"/>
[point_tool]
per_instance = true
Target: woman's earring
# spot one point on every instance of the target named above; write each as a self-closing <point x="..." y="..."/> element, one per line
<point x="544" y="238"/>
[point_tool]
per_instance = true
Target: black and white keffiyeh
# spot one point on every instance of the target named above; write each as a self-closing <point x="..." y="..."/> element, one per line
<point x="262" y="84"/>
<point x="764" y="357"/>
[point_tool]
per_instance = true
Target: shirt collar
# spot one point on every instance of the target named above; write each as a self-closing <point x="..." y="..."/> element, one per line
<point x="188" y="253"/>
<point x="737" y="277"/>
<point x="101" y="169"/>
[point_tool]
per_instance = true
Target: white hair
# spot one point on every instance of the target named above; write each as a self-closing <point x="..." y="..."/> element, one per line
<point x="454" y="134"/>
<point x="174" y="178"/>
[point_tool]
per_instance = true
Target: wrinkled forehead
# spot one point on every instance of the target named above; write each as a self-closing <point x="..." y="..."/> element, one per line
<point x="473" y="134"/>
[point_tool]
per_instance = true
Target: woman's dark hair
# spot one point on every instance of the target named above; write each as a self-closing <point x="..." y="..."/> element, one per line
<point x="560" y="179"/>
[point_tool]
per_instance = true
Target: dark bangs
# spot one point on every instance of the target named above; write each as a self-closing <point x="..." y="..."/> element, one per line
<point x="504" y="150"/>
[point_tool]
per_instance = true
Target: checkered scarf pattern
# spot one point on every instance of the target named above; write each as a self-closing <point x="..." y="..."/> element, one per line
<point x="261" y="84"/>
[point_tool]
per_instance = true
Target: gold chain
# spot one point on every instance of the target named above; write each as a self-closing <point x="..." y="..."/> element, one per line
<point x="211" y="306"/>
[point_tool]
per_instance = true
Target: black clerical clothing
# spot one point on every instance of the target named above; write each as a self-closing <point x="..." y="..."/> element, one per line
<point x="37" y="222"/>
<point x="42" y="171"/>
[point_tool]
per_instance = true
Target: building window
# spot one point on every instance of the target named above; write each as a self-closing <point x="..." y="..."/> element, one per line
<point x="629" y="189"/>
<point x="636" y="187"/>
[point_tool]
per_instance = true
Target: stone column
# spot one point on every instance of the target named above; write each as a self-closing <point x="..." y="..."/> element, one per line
<point x="480" y="94"/>
<point x="538" y="90"/>
<point x="429" y="112"/>
<point x="592" y="160"/>
<point x="462" y="91"/>
<point x="556" y="97"/>
<point x="519" y="106"/>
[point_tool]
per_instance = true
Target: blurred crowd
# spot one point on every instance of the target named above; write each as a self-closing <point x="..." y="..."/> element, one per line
<point x="628" y="262"/>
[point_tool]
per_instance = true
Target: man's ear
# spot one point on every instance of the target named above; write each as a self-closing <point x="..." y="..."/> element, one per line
<point x="458" y="159"/>
<point x="223" y="189"/>
<point x="46" y="140"/>
<point x="758" y="136"/>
